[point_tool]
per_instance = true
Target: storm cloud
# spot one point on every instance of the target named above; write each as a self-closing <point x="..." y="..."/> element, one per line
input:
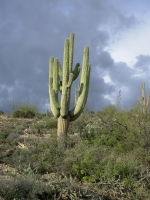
<point x="32" y="31"/>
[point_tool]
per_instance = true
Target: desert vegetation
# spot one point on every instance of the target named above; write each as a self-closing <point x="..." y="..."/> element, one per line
<point x="106" y="156"/>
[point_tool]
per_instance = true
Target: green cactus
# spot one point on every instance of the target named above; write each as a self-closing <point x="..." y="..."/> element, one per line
<point x="60" y="80"/>
<point x="145" y="104"/>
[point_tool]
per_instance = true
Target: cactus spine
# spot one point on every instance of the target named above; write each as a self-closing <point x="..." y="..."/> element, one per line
<point x="143" y="102"/>
<point x="60" y="80"/>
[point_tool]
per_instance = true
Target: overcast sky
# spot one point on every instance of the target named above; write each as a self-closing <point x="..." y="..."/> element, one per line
<point x="116" y="31"/>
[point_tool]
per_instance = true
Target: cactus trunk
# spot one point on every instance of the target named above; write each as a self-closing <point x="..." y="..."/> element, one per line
<point x="60" y="80"/>
<point x="62" y="129"/>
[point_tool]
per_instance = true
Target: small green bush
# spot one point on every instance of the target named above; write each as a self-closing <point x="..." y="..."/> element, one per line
<point x="40" y="115"/>
<point x="23" y="114"/>
<point x="1" y="112"/>
<point x="31" y="108"/>
<point x="3" y="135"/>
<point x="46" y="122"/>
<point x="25" y="111"/>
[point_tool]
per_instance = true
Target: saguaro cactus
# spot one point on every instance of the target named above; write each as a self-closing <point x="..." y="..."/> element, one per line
<point x="143" y="102"/>
<point x="60" y="80"/>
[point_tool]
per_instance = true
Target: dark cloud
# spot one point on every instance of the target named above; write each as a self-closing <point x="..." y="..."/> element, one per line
<point x="143" y="63"/>
<point x="32" y="31"/>
<point x="105" y="60"/>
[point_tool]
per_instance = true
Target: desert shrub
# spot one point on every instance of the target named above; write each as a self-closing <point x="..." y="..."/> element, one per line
<point x="40" y="116"/>
<point x="110" y="109"/>
<point x="16" y="113"/>
<point x="48" y="113"/>
<point x="18" y="188"/>
<point x="4" y="134"/>
<point x="120" y="129"/>
<point x="23" y="114"/>
<point x="21" y="125"/>
<point x="31" y="108"/>
<point x="78" y="125"/>
<point x="83" y="161"/>
<point x="140" y="127"/>
<point x="29" y="114"/>
<point x="46" y="122"/>
<point x="88" y="113"/>
<point x="48" y="187"/>
<point x="43" y="156"/>
<point x="104" y="167"/>
<point x="25" y="111"/>
<point x="1" y="112"/>
<point x="12" y="136"/>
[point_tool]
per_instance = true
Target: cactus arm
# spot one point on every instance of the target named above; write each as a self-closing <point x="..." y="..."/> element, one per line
<point x="76" y="95"/>
<point x="84" y="86"/>
<point x="143" y="93"/>
<point x="66" y="63"/>
<point x="81" y="100"/>
<point x="140" y="100"/>
<point x="67" y="75"/>
<point x="64" y="102"/>
<point x="145" y="104"/>
<point x="60" y="75"/>
<point x="55" y="99"/>
<point x="148" y="100"/>
<point x="56" y="76"/>
<point x="71" y="48"/>
<point x="60" y="87"/>
<point x="70" y="80"/>
<point x="77" y="92"/>
<point x="76" y="71"/>
<point x="60" y="70"/>
<point x="53" y="93"/>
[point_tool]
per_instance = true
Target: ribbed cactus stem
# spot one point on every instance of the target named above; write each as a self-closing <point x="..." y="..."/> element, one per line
<point x="53" y="86"/>
<point x="83" y="87"/>
<point x="67" y="76"/>
<point x="71" y="49"/>
<point x="76" y="94"/>
<point x="143" y="102"/>
<point x="63" y="125"/>
<point x="61" y="79"/>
